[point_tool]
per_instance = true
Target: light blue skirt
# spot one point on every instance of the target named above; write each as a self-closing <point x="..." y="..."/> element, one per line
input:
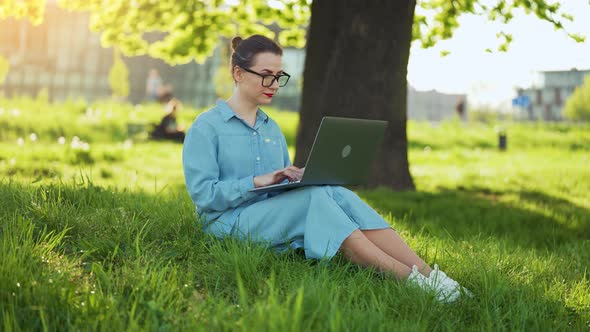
<point x="316" y="218"/>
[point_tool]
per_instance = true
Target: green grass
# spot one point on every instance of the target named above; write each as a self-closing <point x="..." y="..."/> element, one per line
<point x="106" y="238"/>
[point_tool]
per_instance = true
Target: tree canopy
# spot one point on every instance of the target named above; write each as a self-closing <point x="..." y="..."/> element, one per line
<point x="32" y="10"/>
<point x="184" y="30"/>
<point x="179" y="31"/>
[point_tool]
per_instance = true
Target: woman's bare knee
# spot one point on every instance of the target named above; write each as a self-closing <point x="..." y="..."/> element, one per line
<point x="350" y="244"/>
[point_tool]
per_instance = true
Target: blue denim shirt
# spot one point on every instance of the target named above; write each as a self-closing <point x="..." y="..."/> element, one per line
<point x="222" y="154"/>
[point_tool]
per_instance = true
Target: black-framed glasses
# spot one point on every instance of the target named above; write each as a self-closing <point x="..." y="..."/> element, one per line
<point x="268" y="80"/>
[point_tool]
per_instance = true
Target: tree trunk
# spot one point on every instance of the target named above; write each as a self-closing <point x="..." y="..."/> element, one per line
<point x="356" y="66"/>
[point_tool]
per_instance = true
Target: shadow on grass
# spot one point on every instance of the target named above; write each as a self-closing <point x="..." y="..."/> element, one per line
<point x="537" y="220"/>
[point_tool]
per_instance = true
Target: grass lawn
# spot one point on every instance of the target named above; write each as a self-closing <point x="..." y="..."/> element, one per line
<point x="103" y="236"/>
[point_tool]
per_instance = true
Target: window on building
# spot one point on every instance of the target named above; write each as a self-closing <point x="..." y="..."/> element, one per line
<point x="557" y="97"/>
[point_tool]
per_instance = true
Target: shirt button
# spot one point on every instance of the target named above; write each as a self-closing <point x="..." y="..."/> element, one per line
<point x="257" y="158"/>
<point x="254" y="134"/>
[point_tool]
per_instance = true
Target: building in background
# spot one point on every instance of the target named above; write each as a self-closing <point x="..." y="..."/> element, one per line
<point x="435" y="106"/>
<point x="549" y="93"/>
<point x="65" y="57"/>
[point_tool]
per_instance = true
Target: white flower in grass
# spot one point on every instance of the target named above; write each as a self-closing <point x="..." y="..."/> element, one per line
<point x="76" y="142"/>
<point x="33" y="137"/>
<point x="12" y="161"/>
<point x="20" y="141"/>
<point x="1" y="111"/>
<point x="128" y="144"/>
<point x="427" y="149"/>
<point x="15" y="112"/>
<point x="61" y="140"/>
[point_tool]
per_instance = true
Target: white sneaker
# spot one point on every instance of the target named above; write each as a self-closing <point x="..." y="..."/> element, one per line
<point x="445" y="289"/>
<point x="419" y="279"/>
<point x="448" y="289"/>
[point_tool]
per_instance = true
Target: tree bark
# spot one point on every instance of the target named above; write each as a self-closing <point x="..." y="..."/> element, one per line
<point x="356" y="66"/>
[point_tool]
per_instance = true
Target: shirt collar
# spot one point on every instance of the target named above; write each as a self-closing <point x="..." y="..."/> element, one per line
<point x="261" y="115"/>
<point x="227" y="113"/>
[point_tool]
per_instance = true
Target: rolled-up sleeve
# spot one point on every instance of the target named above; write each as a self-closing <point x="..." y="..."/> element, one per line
<point x="201" y="174"/>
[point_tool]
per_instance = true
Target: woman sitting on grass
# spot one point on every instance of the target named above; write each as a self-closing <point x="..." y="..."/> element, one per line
<point x="168" y="128"/>
<point x="235" y="147"/>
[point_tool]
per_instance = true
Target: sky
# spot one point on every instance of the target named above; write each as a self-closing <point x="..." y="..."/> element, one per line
<point x="490" y="78"/>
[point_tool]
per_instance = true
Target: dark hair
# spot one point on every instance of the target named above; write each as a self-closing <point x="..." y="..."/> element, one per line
<point x="244" y="50"/>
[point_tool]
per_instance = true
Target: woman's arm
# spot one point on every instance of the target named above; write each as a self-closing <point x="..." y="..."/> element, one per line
<point x="201" y="174"/>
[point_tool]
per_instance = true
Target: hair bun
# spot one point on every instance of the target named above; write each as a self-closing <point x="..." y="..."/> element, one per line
<point x="235" y="42"/>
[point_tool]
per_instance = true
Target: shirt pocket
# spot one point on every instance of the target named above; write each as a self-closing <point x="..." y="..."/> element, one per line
<point x="273" y="152"/>
<point x="235" y="157"/>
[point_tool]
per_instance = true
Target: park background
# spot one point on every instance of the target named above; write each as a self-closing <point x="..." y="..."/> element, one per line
<point x="97" y="230"/>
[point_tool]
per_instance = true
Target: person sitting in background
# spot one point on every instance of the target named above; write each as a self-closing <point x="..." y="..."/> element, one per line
<point x="168" y="128"/>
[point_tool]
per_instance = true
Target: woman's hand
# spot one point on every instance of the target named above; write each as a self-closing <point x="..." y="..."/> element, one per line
<point x="292" y="173"/>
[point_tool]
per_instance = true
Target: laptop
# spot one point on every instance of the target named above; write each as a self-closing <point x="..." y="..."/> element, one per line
<point x="342" y="153"/>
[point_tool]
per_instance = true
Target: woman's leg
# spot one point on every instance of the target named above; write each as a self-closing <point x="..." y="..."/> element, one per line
<point x="360" y="250"/>
<point x="311" y="214"/>
<point x="384" y="237"/>
<point x="393" y="245"/>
